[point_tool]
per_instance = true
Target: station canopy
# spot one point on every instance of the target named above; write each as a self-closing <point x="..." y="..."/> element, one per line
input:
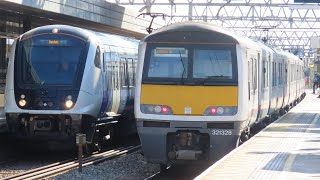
<point x="287" y="24"/>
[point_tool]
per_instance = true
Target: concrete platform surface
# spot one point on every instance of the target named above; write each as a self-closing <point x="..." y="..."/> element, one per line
<point x="289" y="148"/>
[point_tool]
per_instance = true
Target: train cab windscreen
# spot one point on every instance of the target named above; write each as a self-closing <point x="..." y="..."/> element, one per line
<point x="200" y="65"/>
<point x="50" y="60"/>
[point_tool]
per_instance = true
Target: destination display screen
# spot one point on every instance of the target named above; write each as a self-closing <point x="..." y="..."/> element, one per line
<point x="51" y="42"/>
<point x="170" y="52"/>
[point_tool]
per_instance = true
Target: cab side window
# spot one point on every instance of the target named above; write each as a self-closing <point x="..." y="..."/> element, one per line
<point x="97" y="61"/>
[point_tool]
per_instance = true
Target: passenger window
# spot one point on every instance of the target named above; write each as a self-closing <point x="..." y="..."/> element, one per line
<point x="263" y="73"/>
<point x="130" y="71"/>
<point x="134" y="65"/>
<point x="249" y="77"/>
<point x="275" y="74"/>
<point x="123" y="73"/>
<point x="286" y="73"/>
<point x="266" y="74"/>
<point x="280" y="74"/>
<point x="250" y="71"/>
<point x="255" y="74"/>
<point x="97" y="60"/>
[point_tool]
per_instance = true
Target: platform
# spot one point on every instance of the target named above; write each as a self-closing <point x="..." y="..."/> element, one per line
<point x="289" y="148"/>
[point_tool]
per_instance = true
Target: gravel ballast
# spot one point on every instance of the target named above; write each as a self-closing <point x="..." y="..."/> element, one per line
<point x="132" y="166"/>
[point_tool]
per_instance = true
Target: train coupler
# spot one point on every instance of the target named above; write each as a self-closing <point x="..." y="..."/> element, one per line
<point x="185" y="154"/>
<point x="188" y="145"/>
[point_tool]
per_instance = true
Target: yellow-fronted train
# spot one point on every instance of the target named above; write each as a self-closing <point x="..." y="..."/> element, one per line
<point x="201" y="89"/>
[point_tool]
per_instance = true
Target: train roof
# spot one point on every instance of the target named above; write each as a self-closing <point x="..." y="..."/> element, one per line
<point x="279" y="51"/>
<point x="85" y="34"/>
<point x="195" y="27"/>
<point x="48" y="29"/>
<point x="116" y="40"/>
<point x="206" y="27"/>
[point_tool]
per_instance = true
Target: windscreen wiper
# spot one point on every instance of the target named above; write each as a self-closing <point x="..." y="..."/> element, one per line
<point x="184" y="69"/>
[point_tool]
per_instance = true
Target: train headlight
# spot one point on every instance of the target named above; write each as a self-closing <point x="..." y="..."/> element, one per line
<point x="68" y="103"/>
<point x="220" y="111"/>
<point x="155" y="109"/>
<point x="22" y="102"/>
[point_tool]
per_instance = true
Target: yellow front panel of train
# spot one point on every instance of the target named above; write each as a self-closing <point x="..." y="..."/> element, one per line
<point x="199" y="98"/>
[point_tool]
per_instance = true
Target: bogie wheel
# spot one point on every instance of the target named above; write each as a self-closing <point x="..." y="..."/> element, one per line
<point x="287" y="109"/>
<point x="244" y="137"/>
<point x="98" y="146"/>
<point x="281" y="112"/>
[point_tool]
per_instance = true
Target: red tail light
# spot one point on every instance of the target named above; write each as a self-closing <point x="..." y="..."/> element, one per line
<point x="213" y="110"/>
<point x="164" y="109"/>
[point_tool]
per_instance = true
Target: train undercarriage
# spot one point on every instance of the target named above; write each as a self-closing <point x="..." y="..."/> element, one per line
<point x="62" y="129"/>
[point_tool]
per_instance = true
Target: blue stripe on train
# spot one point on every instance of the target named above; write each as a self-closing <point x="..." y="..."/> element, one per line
<point x="106" y="103"/>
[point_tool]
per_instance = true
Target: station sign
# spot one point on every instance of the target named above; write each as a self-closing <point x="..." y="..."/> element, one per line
<point x="306" y="1"/>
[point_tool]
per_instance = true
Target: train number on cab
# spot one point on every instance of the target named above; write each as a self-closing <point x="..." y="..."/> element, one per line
<point x="222" y="132"/>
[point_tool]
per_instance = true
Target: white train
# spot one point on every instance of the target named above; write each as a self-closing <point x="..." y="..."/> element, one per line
<point x="64" y="80"/>
<point x="201" y="89"/>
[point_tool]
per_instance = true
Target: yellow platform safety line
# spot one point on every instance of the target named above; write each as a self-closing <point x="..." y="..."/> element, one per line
<point x="198" y="98"/>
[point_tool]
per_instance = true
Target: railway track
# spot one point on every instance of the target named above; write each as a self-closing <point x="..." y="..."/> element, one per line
<point x="64" y="166"/>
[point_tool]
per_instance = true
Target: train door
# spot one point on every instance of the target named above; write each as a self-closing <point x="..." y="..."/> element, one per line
<point x="104" y="86"/>
<point x="288" y="69"/>
<point x="124" y="91"/>
<point x="272" y="95"/>
<point x="275" y="74"/>
<point x="299" y="77"/>
<point x="264" y="84"/>
<point x="115" y="79"/>
<point x="282" y="82"/>
<point x="296" y="70"/>
<point x="259" y="84"/>
<point x="107" y="82"/>
<point x="253" y="90"/>
<point x="286" y="86"/>
<point x="131" y="74"/>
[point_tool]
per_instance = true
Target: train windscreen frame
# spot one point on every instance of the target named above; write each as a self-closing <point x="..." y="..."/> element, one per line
<point x="190" y="64"/>
<point x="50" y="60"/>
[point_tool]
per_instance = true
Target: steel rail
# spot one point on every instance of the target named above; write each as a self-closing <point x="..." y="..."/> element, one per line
<point x="60" y="167"/>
